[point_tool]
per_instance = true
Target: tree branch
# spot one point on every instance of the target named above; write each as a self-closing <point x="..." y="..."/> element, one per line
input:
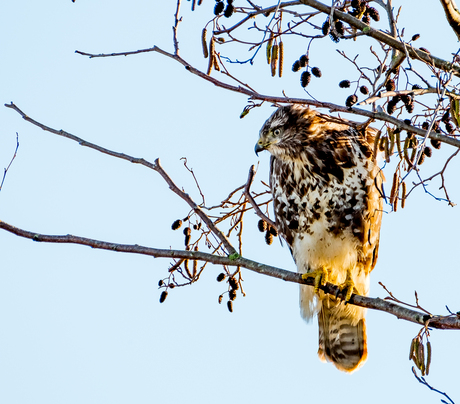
<point x="441" y="322"/>
<point x="380" y="116"/>
<point x="381" y="36"/>
<point x="452" y="15"/>
<point x="154" y="166"/>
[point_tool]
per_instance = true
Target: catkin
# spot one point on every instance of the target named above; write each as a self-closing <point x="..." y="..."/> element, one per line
<point x="403" y="196"/>
<point x="280" y="59"/>
<point x="204" y="44"/>
<point x="274" y="59"/>
<point x="212" y="51"/>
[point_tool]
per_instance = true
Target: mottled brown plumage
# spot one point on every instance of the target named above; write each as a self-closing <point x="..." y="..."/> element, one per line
<point x="326" y="191"/>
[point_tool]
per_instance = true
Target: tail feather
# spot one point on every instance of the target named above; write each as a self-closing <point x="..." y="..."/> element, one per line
<point x="342" y="336"/>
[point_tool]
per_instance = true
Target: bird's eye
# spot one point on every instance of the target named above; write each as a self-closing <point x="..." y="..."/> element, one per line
<point x="277" y="132"/>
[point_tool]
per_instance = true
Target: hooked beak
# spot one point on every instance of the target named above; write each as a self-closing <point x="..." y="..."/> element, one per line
<point x="258" y="147"/>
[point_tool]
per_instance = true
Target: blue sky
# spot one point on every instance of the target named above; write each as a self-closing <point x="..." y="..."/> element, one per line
<point x="81" y="325"/>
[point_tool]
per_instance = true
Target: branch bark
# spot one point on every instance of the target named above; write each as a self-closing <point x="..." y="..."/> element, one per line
<point x="381" y="36"/>
<point x="414" y="316"/>
<point x="452" y="15"/>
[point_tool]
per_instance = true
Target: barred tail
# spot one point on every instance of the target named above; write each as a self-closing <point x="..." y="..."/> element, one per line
<point x="342" y="335"/>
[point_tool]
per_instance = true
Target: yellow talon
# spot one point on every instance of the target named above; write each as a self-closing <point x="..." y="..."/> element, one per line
<point x="349" y="285"/>
<point x="320" y="276"/>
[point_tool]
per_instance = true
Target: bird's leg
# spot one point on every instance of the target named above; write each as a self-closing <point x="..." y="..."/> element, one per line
<point x="320" y="275"/>
<point x="349" y="286"/>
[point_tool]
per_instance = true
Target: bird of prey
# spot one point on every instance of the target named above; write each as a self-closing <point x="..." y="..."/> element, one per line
<point x="327" y="197"/>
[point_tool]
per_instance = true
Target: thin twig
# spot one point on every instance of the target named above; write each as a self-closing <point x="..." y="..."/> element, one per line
<point x="251" y="200"/>
<point x="425" y="383"/>
<point x="11" y="161"/>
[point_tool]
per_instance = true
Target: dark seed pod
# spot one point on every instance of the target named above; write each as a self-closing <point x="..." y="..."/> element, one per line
<point x="364" y="90"/>
<point x="187" y="231"/>
<point x="220" y="299"/>
<point x="163" y="296"/>
<point x="445" y="117"/>
<point x="407" y="121"/>
<point x="409" y="108"/>
<point x="171" y="286"/>
<point x="449" y="128"/>
<point x="187" y="240"/>
<point x="232" y="294"/>
<point x="415" y="37"/>
<point x="406" y="99"/>
<point x="373" y="13"/>
<point x="366" y="19"/>
<point x="219" y="7"/>
<point x="353" y="12"/>
<point x="325" y="28"/>
<point x="303" y="60"/>
<point x="233" y="283"/>
<point x="425" y="125"/>
<point x="273" y="231"/>
<point x="268" y="237"/>
<point x="177" y="223"/>
<point x="351" y="100"/>
<point x="356" y="4"/>
<point x="160" y="283"/>
<point x="262" y="225"/>
<point x="428" y="151"/>
<point x="435" y="143"/>
<point x="391" y="107"/>
<point x="421" y="159"/>
<point x="305" y="79"/>
<point x="344" y="84"/>
<point x="220" y="277"/>
<point x="296" y="66"/>
<point x="390" y="85"/>
<point x="229" y="10"/>
<point x="334" y="37"/>
<point x="316" y="72"/>
<point x="396" y="98"/>
<point x="230" y="306"/>
<point x="338" y="25"/>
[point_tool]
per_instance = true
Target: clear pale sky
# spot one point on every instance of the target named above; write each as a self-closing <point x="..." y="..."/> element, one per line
<point x="85" y="326"/>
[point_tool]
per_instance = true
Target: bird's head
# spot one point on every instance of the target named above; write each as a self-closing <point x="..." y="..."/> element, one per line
<point x="281" y="128"/>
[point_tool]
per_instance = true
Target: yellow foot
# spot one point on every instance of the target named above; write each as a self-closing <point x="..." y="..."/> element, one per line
<point x="349" y="286"/>
<point x="320" y="276"/>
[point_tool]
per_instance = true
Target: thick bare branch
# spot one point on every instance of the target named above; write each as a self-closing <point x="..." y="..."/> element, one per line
<point x="452" y="15"/>
<point x="381" y="36"/>
<point x="380" y="116"/>
<point x="442" y="322"/>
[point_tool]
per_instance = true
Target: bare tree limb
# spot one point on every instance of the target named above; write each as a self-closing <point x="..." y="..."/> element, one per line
<point x="452" y="15"/>
<point x="380" y="116"/>
<point x="381" y="36"/>
<point x="441" y="322"/>
<point x="154" y="166"/>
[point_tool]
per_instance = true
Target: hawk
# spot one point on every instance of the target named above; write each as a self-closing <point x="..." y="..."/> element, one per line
<point x="326" y="188"/>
